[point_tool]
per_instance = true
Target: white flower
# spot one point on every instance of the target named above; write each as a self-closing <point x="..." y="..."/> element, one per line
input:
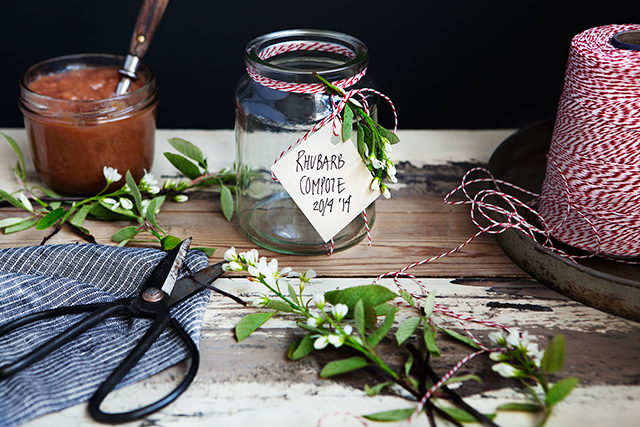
<point x="231" y="255"/>
<point x="513" y="339"/>
<point x="375" y="184"/>
<point x="499" y="338"/>
<point x="506" y="370"/>
<point x="180" y="198"/>
<point x="321" y="342"/>
<point x="250" y="257"/>
<point x="377" y="164"/>
<point x="336" y="340"/>
<point x="315" y="321"/>
<point x="391" y="172"/>
<point x="385" y="192"/>
<point x="261" y="301"/>
<point x="269" y="271"/>
<point x="339" y="311"/>
<point x="306" y="277"/>
<point x="318" y="300"/>
<point x="347" y="329"/>
<point x="232" y="266"/>
<point x="126" y="203"/>
<point x="111" y="175"/>
<point x="386" y="146"/>
<point x="498" y="356"/>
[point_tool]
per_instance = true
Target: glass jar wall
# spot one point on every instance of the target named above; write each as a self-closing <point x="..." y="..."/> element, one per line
<point x="272" y="114"/>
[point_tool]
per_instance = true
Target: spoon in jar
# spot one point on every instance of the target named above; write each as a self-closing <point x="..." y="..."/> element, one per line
<point x="148" y="19"/>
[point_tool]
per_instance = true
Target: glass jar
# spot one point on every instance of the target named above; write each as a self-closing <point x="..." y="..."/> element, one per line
<point x="72" y="140"/>
<point x="271" y="119"/>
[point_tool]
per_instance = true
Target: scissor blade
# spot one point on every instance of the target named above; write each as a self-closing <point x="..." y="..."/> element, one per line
<point x="188" y="286"/>
<point x="165" y="274"/>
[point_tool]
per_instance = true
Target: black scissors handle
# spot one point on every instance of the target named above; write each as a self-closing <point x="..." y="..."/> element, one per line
<point x="101" y="311"/>
<point x="159" y="324"/>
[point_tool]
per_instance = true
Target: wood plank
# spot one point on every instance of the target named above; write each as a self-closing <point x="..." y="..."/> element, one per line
<point x="406" y="230"/>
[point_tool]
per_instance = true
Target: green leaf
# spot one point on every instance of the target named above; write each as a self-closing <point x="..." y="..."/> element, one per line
<point x="19" y="169"/>
<point x="430" y="340"/>
<point x="463" y="378"/>
<point x="382" y="330"/>
<point x="553" y="359"/>
<point x="8" y="222"/>
<point x="21" y="226"/>
<point x="359" y="317"/>
<point x="393" y="415"/>
<point x="116" y="213"/>
<point x="188" y="149"/>
<point x="152" y="207"/>
<point x="226" y="201"/>
<point x="392" y="137"/>
<point x="126" y="233"/>
<point x="81" y="215"/>
<point x="520" y="406"/>
<point x="462" y="415"/>
<point x="301" y="348"/>
<point x="251" y="322"/>
<point x="375" y="390"/>
<point x="135" y="192"/>
<point x="207" y="251"/>
<point x="371" y="295"/>
<point x="406" y="295"/>
<point x="48" y="192"/>
<point x="338" y="367"/>
<point x="361" y="144"/>
<point x="279" y="305"/>
<point x="407" y="328"/>
<point x="429" y="304"/>
<point x="183" y="165"/>
<point x="462" y="338"/>
<point x="102" y="212"/>
<point x="561" y="390"/>
<point x="292" y="294"/>
<point x="51" y="218"/>
<point x="347" y="122"/>
<point x="15" y="202"/>
<point x="170" y="242"/>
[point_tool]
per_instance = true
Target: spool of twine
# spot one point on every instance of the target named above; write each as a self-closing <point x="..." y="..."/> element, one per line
<point x="590" y="197"/>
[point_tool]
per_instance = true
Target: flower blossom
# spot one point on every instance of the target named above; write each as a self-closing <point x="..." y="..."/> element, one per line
<point x="507" y="371"/>
<point x="111" y="175"/>
<point x="339" y="311"/>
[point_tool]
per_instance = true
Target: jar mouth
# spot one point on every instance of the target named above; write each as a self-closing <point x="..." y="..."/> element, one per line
<point x="294" y="55"/>
<point x="122" y="104"/>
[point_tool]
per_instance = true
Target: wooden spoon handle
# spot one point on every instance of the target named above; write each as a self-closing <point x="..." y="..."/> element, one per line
<point x="148" y="19"/>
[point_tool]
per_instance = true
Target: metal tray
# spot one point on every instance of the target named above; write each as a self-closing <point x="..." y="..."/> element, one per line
<point x="607" y="285"/>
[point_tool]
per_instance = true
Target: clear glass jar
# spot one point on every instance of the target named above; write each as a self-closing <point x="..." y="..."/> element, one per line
<point x="270" y="120"/>
<point x="72" y="140"/>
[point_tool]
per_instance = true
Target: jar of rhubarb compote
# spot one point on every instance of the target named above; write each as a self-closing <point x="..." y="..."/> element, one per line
<point x="278" y="102"/>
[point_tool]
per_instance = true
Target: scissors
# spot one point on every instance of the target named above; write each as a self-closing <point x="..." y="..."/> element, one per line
<point x="161" y="291"/>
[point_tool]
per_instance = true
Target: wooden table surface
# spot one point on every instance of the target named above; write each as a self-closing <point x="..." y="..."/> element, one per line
<point x="253" y="383"/>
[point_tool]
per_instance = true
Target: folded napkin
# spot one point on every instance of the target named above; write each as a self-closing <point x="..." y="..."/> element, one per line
<point x="38" y="278"/>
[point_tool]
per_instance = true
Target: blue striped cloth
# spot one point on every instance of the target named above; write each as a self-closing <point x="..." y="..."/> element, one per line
<point x="38" y="278"/>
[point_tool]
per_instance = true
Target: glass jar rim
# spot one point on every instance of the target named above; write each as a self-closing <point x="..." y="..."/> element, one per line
<point x="88" y="59"/>
<point x="101" y="109"/>
<point x="261" y="49"/>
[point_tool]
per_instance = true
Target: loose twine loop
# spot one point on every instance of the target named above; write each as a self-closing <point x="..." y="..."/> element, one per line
<point x="337" y="103"/>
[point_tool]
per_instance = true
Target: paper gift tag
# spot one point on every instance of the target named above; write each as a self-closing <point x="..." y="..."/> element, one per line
<point x="327" y="179"/>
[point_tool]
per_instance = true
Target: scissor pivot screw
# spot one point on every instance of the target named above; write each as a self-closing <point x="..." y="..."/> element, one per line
<point x="152" y="295"/>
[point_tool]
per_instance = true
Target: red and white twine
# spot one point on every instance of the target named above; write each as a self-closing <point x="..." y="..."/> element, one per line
<point x="591" y="193"/>
<point x="338" y="103"/>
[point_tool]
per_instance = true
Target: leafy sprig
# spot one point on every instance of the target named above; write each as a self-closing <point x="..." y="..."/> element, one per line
<point x="135" y="202"/>
<point x="373" y="140"/>
<point x="360" y="317"/>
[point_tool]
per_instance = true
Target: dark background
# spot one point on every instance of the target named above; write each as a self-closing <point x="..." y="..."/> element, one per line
<point x="464" y="64"/>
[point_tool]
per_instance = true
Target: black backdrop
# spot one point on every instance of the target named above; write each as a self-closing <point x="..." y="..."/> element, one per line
<point x="463" y="64"/>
